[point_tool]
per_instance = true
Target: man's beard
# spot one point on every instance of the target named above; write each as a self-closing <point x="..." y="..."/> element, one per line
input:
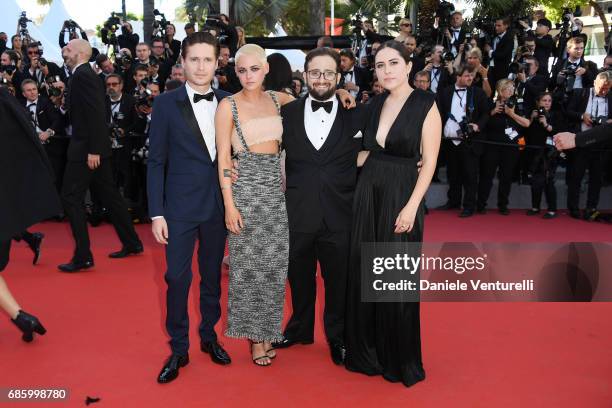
<point x="321" y="96"/>
<point x="113" y="94"/>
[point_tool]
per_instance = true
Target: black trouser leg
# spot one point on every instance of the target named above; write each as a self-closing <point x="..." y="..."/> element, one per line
<point x="453" y="172"/>
<point x="595" y="179"/>
<point x="550" y="189"/>
<point x="470" y="165"/>
<point x="576" y="169"/>
<point x="509" y="157"/>
<point x="5" y="249"/>
<point x="302" y="280"/>
<point x="489" y="164"/>
<point x="103" y="183"/>
<point x="56" y="151"/>
<point x="332" y="249"/>
<point x="77" y="178"/>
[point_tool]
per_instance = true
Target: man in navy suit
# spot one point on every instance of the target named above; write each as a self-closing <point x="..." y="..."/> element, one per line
<point x="185" y="201"/>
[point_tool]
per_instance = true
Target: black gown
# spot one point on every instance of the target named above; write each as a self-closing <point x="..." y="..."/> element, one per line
<point x="385" y="338"/>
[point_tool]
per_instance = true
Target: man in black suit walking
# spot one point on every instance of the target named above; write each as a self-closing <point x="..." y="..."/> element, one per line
<point x="89" y="162"/>
<point x="321" y="169"/>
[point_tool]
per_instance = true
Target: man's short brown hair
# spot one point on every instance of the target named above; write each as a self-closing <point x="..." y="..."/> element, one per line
<point x="200" y="38"/>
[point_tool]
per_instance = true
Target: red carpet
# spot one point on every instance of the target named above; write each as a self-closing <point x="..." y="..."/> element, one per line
<point x="106" y="337"/>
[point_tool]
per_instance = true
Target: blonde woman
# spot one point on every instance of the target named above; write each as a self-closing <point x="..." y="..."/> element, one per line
<point x="405" y="26"/>
<point x="505" y="126"/>
<point x="241" y="36"/>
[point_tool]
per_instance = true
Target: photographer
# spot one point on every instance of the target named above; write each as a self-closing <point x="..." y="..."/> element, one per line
<point x="3" y="41"/>
<point x="500" y="52"/>
<point x="136" y="87"/>
<point x="225" y="75"/>
<point x="418" y="63"/>
<point x="143" y="52"/>
<point x="440" y="71"/>
<point x="70" y="27"/>
<point x="453" y="35"/>
<point x="128" y="38"/>
<point x="405" y="26"/>
<point x="121" y="118"/>
<point x="9" y="69"/>
<point x="573" y="72"/>
<point x="231" y="33"/>
<point x="587" y="108"/>
<point x="479" y="71"/>
<point x="165" y="64"/>
<point x="503" y="127"/>
<point x="49" y="124"/>
<point x="105" y="65"/>
<point x="465" y="113"/>
<point x="353" y="78"/>
<point x="172" y="46"/>
<point x="177" y="73"/>
<point x="545" y="123"/>
<point x="529" y="84"/>
<point x="544" y="45"/>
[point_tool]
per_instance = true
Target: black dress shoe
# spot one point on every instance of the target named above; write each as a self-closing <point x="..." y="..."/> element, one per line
<point x="549" y="215"/>
<point x="28" y="325"/>
<point x="217" y="354"/>
<point x="533" y="211"/>
<point x="504" y="211"/>
<point x="288" y="342"/>
<point x="170" y="369"/>
<point x="481" y="210"/>
<point x="75" y="266"/>
<point x="448" y="206"/>
<point x="127" y="251"/>
<point x="338" y="353"/>
<point x="466" y="213"/>
<point x="34" y="245"/>
<point x="574" y="214"/>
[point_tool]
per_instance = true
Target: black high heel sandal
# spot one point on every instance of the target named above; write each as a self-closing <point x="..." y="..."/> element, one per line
<point x="28" y="325"/>
<point x="256" y="359"/>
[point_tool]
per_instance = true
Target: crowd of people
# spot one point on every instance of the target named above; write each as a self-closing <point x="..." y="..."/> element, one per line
<point x="189" y="137"/>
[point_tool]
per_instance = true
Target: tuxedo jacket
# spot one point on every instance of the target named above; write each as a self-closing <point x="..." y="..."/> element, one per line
<point x="475" y="97"/>
<point x="577" y="104"/>
<point x="597" y="136"/>
<point x="321" y="183"/>
<point x="182" y="179"/>
<point x="588" y="78"/>
<point x="87" y="111"/>
<point x="502" y="56"/>
<point x="48" y="116"/>
<point x="531" y="89"/>
<point x="362" y="79"/>
<point x="127" y="108"/>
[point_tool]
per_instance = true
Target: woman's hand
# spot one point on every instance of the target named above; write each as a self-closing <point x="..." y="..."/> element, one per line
<point x="405" y="220"/>
<point x="508" y="111"/>
<point x="499" y="108"/>
<point x="543" y="121"/>
<point x="347" y="99"/>
<point x="233" y="220"/>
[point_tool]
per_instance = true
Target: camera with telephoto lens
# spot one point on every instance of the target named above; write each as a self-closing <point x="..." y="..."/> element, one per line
<point x="519" y="67"/>
<point x="511" y="102"/>
<point x="599" y="120"/>
<point x="566" y="79"/>
<point x="448" y="56"/>
<point x="145" y="98"/>
<point x="141" y="155"/>
<point x="465" y="131"/>
<point x="159" y="24"/>
<point x="42" y="62"/>
<point x="123" y="59"/>
<point x="115" y="130"/>
<point x="443" y="14"/>
<point x="9" y="69"/>
<point x="23" y="23"/>
<point x="542" y="112"/>
<point x="53" y="91"/>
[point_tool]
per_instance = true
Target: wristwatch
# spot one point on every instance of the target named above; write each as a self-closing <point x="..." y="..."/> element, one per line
<point x="51" y="132"/>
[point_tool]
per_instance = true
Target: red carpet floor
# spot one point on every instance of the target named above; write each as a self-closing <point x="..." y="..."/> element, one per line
<point x="106" y="337"/>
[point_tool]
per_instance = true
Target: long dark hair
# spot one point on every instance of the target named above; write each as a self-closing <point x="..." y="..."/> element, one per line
<point x="280" y="76"/>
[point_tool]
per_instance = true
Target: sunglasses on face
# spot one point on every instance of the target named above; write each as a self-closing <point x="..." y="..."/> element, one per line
<point x="406" y="25"/>
<point x="32" y="52"/>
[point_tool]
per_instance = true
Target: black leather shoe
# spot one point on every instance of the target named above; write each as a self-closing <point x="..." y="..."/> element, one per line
<point x="288" y="342"/>
<point x="75" y="266"/>
<point x="533" y="211"/>
<point x="549" y="215"/>
<point x="481" y="210"/>
<point x="37" y="238"/>
<point x="575" y="214"/>
<point x="28" y="325"/>
<point x="171" y="368"/>
<point x="217" y="354"/>
<point x="466" y="213"/>
<point x="448" y="206"/>
<point x="127" y="251"/>
<point x="338" y="353"/>
<point x="504" y="211"/>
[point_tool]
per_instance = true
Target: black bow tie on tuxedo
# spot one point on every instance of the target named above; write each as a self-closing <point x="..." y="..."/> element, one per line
<point x="198" y="97"/>
<point x="460" y="89"/>
<point x="325" y="105"/>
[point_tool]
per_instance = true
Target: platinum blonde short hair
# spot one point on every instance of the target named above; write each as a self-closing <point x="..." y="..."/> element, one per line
<point x="253" y="50"/>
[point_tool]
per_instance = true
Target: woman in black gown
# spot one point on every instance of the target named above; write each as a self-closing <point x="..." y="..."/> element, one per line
<point x="404" y="127"/>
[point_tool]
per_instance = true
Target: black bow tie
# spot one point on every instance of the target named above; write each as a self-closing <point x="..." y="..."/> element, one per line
<point x="31" y="104"/>
<point x="325" y="105"/>
<point x="198" y="97"/>
<point x="455" y="30"/>
<point x="460" y="89"/>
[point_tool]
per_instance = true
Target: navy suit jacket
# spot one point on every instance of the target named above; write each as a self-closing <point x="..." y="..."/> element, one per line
<point x="182" y="180"/>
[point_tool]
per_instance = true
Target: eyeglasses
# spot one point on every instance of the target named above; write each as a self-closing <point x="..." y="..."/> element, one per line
<point x="112" y="84"/>
<point x="328" y="75"/>
<point x="32" y="52"/>
<point x="405" y="25"/>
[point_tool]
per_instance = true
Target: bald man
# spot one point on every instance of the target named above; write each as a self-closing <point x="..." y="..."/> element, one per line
<point x="89" y="163"/>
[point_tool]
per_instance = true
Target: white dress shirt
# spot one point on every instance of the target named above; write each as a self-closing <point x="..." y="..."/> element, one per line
<point x="32" y="108"/>
<point x="458" y="109"/>
<point x="205" y="115"/>
<point x="318" y="124"/>
<point x="596" y="106"/>
<point x="435" y="74"/>
<point x="578" y="80"/>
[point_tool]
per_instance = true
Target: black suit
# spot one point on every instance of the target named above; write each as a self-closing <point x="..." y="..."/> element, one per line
<point x="588" y="78"/>
<point x="463" y="159"/>
<point x="320" y="187"/>
<point x="594" y="137"/>
<point x="544" y="48"/>
<point x="90" y="136"/>
<point x="49" y="117"/>
<point x="444" y="78"/>
<point x="530" y="90"/>
<point x="584" y="158"/>
<point x="126" y="120"/>
<point x="361" y="78"/>
<point x="418" y="63"/>
<point x="501" y="58"/>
